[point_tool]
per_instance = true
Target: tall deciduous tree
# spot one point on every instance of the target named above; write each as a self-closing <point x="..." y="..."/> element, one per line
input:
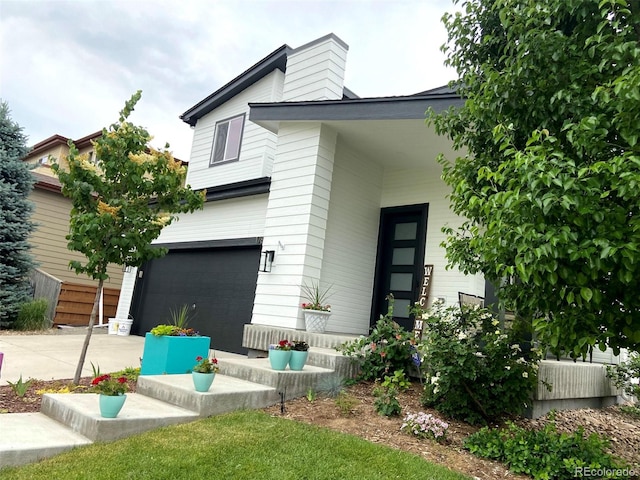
<point x="121" y="204"/>
<point x="16" y="183"/>
<point x="550" y="187"/>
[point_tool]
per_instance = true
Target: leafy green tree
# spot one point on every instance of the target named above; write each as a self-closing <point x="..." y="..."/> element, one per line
<point x="549" y="180"/>
<point x="121" y="204"/>
<point x="16" y="183"/>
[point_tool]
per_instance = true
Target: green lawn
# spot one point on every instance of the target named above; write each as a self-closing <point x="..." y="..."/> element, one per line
<point x="243" y="445"/>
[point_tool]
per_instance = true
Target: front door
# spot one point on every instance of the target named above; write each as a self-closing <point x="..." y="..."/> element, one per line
<point x="401" y="245"/>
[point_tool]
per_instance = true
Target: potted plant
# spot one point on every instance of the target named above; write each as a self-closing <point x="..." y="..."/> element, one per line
<point x="316" y="310"/>
<point x="112" y="394"/>
<point x="204" y="373"/>
<point x="299" y="355"/>
<point x="280" y="354"/>
<point x="171" y="348"/>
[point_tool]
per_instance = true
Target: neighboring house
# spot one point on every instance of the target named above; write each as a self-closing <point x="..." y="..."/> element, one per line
<point x="51" y="213"/>
<point x="70" y="295"/>
<point x="344" y="190"/>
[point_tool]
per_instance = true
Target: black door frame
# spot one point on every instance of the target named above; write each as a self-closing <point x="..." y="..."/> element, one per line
<point x="387" y="217"/>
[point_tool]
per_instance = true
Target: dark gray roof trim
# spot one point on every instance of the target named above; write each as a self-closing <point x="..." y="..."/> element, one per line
<point x="276" y="59"/>
<point x="245" y="188"/>
<point x="382" y="108"/>
<point x="205" y="244"/>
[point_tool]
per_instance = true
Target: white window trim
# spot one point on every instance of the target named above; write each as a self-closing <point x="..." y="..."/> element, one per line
<point x="225" y="158"/>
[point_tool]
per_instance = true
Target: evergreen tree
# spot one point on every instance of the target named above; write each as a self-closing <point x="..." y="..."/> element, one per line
<point x="15" y="225"/>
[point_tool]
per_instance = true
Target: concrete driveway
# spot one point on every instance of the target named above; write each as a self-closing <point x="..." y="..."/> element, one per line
<point x="55" y="356"/>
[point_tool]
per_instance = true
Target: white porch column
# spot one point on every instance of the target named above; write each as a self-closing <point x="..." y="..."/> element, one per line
<point x="296" y="221"/>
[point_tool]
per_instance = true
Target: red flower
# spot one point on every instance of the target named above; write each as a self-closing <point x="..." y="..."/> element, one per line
<point x="198" y="358"/>
<point x="214" y="360"/>
<point x="99" y="379"/>
<point x="122" y="380"/>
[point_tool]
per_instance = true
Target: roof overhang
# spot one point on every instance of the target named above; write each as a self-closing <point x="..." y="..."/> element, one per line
<point x="277" y="59"/>
<point x="389" y="130"/>
<point x="46" y="182"/>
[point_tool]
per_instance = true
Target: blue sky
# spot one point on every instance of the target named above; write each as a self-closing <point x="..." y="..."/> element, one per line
<point x="66" y="67"/>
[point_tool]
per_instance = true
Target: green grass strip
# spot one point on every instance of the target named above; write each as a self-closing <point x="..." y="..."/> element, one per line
<point x="242" y="445"/>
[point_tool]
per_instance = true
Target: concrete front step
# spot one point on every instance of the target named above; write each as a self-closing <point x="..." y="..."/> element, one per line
<point x="225" y="395"/>
<point x="29" y="437"/>
<point x="258" y="370"/>
<point x="259" y="337"/>
<point x="81" y="413"/>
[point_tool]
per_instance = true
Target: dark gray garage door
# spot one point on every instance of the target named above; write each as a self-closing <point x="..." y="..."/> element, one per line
<point x="219" y="282"/>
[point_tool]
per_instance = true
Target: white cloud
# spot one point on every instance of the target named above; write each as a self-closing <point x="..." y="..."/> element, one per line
<point x="68" y="66"/>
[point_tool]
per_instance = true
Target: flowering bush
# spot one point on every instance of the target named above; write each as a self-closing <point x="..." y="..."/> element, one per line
<point x="388" y="348"/>
<point x="425" y="425"/>
<point x="108" y="385"/>
<point x="283" y="345"/>
<point x="206" y="365"/>
<point x="316" y="297"/>
<point x="475" y="370"/>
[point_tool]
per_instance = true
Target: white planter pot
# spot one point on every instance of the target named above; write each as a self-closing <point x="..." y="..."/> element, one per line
<point x="315" y="321"/>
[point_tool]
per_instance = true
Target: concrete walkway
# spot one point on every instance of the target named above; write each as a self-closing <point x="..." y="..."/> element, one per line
<point x="55" y="356"/>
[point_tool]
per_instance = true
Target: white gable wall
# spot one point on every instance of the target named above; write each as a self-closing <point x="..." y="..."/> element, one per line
<point x="315" y="71"/>
<point x="407" y="187"/>
<point x="258" y="144"/>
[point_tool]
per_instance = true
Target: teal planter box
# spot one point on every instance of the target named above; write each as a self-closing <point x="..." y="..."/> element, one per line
<point x="169" y="355"/>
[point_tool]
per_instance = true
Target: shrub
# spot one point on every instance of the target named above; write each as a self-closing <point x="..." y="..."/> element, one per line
<point x="346" y="403"/>
<point x="386" y="402"/>
<point x="386" y="349"/>
<point x="625" y="374"/>
<point x="544" y="453"/>
<point x="33" y="315"/>
<point x="474" y="371"/>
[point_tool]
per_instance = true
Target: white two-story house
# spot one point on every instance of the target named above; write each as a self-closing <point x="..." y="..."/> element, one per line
<point x="305" y="182"/>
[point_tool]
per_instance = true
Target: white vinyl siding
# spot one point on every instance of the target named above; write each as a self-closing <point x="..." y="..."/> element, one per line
<point x="234" y="218"/>
<point x="315" y="71"/>
<point x="257" y="148"/>
<point x="352" y="240"/>
<point x="296" y="221"/>
<point x="413" y="186"/>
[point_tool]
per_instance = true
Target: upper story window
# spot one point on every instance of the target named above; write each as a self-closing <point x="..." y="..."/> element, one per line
<point x="226" y="140"/>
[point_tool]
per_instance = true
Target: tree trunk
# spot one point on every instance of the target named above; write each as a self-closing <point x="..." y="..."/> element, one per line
<point x="87" y="338"/>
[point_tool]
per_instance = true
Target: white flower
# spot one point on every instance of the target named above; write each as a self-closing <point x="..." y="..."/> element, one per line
<point x="462" y="336"/>
<point x="479" y="354"/>
<point x="525" y="374"/>
<point x="495" y="322"/>
<point x="515" y="347"/>
<point x="498" y="332"/>
<point x="507" y="367"/>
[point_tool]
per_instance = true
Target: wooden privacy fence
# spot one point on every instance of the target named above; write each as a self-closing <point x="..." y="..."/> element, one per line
<point x="76" y="301"/>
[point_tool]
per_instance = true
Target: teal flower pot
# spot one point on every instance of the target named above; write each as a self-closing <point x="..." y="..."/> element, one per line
<point x="279" y="359"/>
<point x="110" y="405"/>
<point x="202" y="381"/>
<point x="298" y="360"/>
